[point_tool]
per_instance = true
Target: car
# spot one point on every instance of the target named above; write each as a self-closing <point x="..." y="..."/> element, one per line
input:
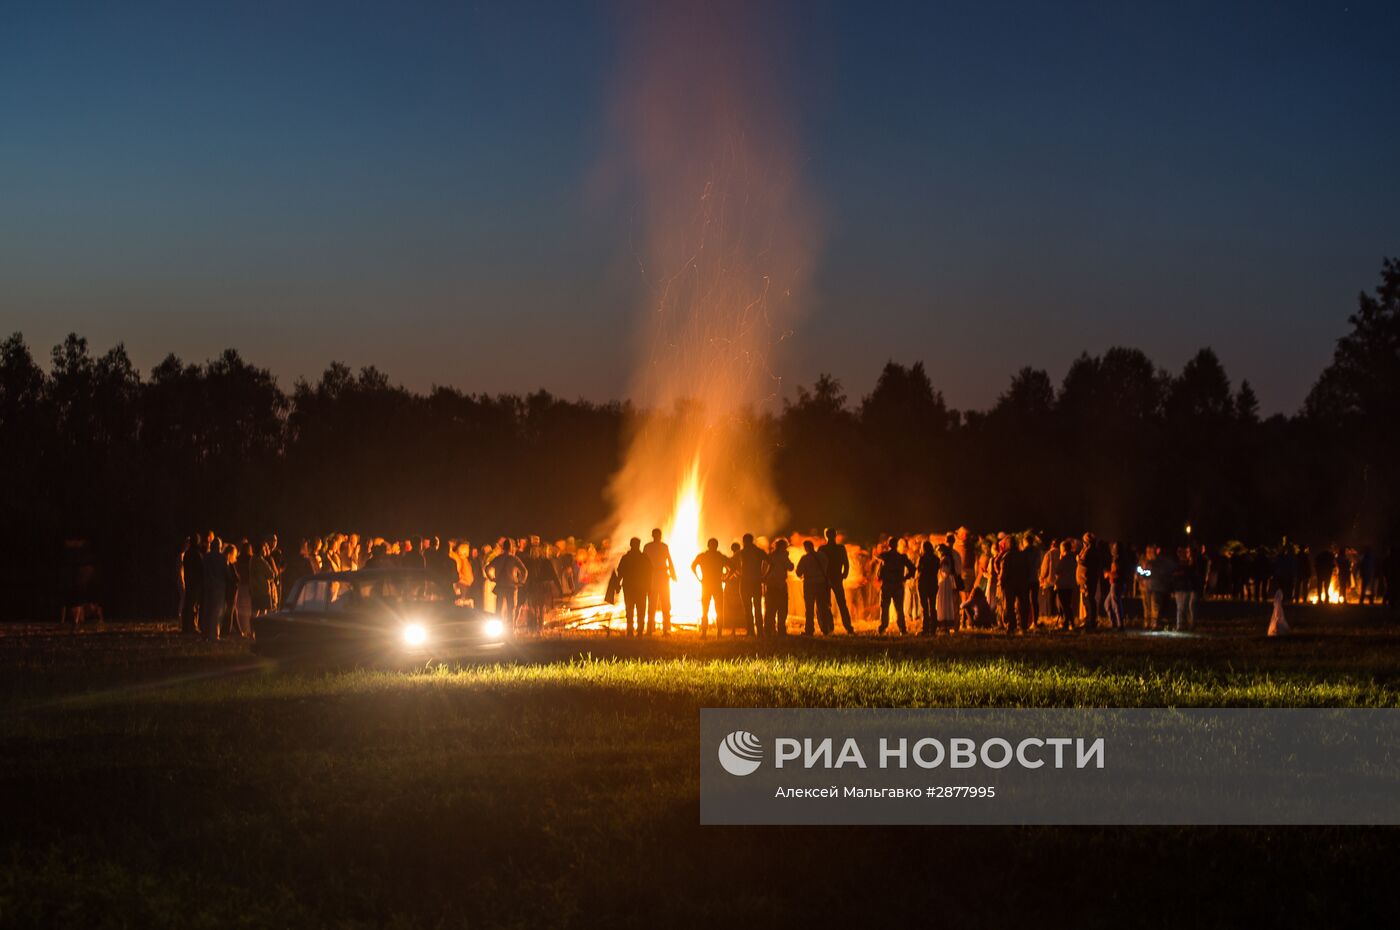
<point x="389" y="614"/>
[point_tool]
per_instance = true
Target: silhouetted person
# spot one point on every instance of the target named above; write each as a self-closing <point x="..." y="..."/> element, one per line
<point x="751" y="563"/>
<point x="1302" y="582"/>
<point x="926" y="571"/>
<point x="566" y="568"/>
<point x="1045" y="578"/>
<point x="775" y="591"/>
<point x="1181" y="589"/>
<point x="894" y="570"/>
<point x="965" y="556"/>
<point x="635" y="572"/>
<point x="328" y="553"/>
<point x="1035" y="551"/>
<point x="663" y="573"/>
<point x="214" y="600"/>
<point x="996" y="556"/>
<point x="1197" y="576"/>
<point x="410" y="557"/>
<point x="1119" y="570"/>
<point x="950" y="540"/>
<point x="263" y="581"/>
<point x="710" y="568"/>
<point x="241" y="615"/>
<point x="1367" y="569"/>
<point x="192" y="571"/>
<point x="1160" y="568"/>
<point x="278" y="560"/>
<point x="978" y="610"/>
<point x="816" y="589"/>
<point x="507" y="574"/>
<point x="1016" y="579"/>
<point x="733" y="588"/>
<point x="439" y="564"/>
<point x="838" y="568"/>
<point x="379" y="558"/>
<point x="1066" y="588"/>
<point x="541" y="584"/>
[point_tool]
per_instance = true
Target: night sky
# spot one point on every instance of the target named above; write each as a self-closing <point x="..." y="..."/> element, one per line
<point x="414" y="186"/>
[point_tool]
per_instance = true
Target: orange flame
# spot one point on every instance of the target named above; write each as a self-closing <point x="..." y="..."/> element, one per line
<point x="707" y="149"/>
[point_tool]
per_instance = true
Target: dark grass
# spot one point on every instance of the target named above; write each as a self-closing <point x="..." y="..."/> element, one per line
<point x="146" y="781"/>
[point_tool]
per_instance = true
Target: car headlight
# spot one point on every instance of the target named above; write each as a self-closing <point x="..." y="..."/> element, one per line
<point x="494" y="629"/>
<point x="415" y="634"/>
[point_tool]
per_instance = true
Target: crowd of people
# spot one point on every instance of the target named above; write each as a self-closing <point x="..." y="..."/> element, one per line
<point x="223" y="585"/>
<point x="925" y="583"/>
<point x="1014" y="582"/>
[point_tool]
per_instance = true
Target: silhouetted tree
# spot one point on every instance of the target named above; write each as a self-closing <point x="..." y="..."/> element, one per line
<point x="905" y="424"/>
<point x="819" y="464"/>
<point x="1246" y="404"/>
<point x="1015" y="455"/>
<point x="1200" y="395"/>
<point x="29" y="509"/>
<point x="1360" y="389"/>
<point x="1204" y="446"/>
<point x="1110" y="418"/>
<point x="1029" y="402"/>
<point x="1354" y="409"/>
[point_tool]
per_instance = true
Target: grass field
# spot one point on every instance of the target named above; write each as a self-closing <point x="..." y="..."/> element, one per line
<point x="148" y="781"/>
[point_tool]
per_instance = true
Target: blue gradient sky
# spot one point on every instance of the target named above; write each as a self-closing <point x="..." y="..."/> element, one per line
<point x="409" y="185"/>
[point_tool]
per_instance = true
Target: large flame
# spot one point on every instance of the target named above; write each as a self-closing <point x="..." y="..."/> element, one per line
<point x="707" y="161"/>
<point x="687" y="541"/>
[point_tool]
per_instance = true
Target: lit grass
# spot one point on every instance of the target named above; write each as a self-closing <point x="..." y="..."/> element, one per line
<point x="801" y="682"/>
<point x="151" y="782"/>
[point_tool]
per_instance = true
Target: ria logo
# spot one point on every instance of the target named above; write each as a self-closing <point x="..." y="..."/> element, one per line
<point x="741" y="753"/>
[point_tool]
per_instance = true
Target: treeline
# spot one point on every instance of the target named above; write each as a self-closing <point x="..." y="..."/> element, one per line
<point x="1120" y="446"/>
<point x="93" y="450"/>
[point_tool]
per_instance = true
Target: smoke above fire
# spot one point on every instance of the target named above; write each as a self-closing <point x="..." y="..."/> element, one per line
<point x="722" y="241"/>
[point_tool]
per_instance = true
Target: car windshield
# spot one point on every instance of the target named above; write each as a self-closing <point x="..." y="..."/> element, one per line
<point x="395" y="589"/>
<point x="316" y="594"/>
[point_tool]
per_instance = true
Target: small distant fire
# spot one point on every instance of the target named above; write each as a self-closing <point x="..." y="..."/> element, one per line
<point x="1334" y="593"/>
